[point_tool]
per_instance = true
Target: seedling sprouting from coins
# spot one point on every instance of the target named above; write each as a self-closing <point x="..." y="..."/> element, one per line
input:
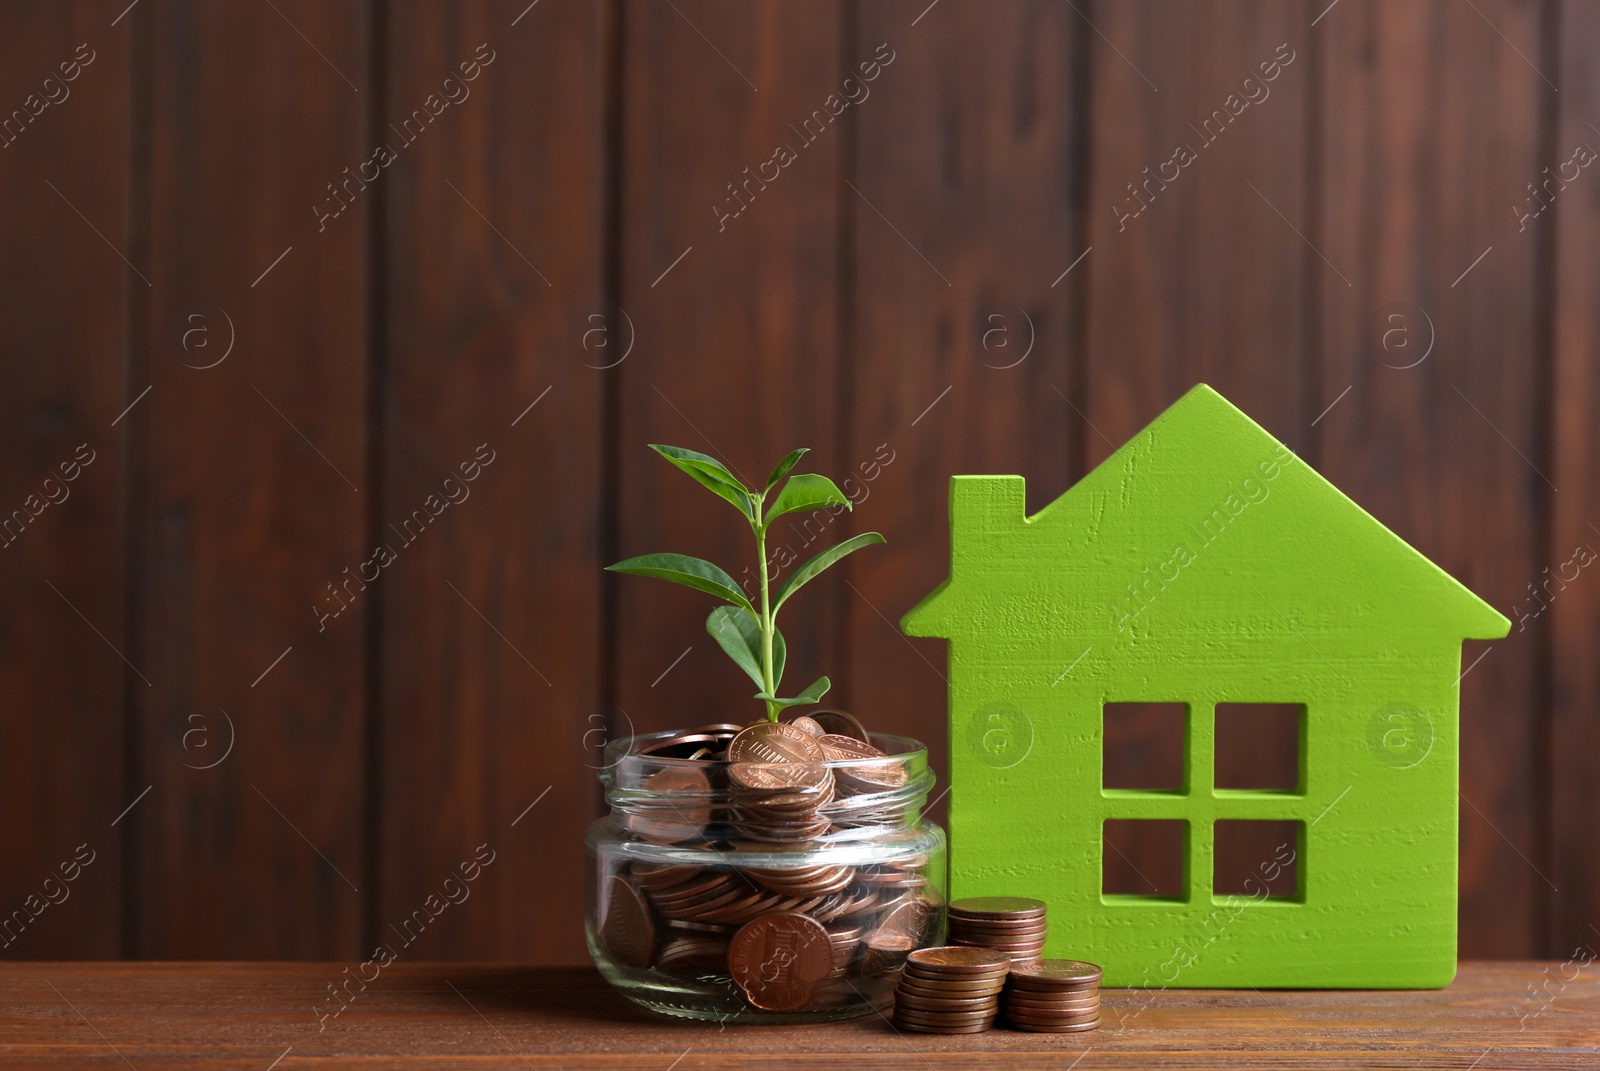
<point x="747" y="632"/>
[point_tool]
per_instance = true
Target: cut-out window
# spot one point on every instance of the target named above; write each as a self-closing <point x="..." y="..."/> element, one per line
<point x="1144" y="857"/>
<point x="1259" y="746"/>
<point x="1259" y="859"/>
<point x="1145" y="746"/>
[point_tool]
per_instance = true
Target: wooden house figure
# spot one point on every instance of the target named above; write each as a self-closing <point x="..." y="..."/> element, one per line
<point x="1204" y="564"/>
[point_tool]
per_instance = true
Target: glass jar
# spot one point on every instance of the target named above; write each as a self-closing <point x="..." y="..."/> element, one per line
<point x="716" y="894"/>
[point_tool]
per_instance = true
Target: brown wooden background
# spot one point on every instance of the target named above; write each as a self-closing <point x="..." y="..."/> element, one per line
<point x="939" y="278"/>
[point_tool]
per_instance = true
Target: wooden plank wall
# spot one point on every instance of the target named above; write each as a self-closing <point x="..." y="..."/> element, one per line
<point x="394" y="295"/>
<point x="66" y="291"/>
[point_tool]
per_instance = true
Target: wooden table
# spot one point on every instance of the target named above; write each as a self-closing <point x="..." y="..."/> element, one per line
<point x="260" y="1016"/>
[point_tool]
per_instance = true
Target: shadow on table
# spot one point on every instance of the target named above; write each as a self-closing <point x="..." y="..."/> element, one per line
<point x="575" y="995"/>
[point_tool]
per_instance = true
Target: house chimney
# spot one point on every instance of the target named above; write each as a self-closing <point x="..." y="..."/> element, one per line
<point x="985" y="506"/>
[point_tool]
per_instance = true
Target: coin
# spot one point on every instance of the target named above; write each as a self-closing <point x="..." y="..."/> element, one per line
<point x="626" y="929"/>
<point x="1039" y="1011"/>
<point x="840" y="748"/>
<point x="1047" y="1028"/>
<point x="809" y="726"/>
<point x="683" y="744"/>
<point x="692" y="955"/>
<point x="1010" y="907"/>
<point x="1077" y="1015"/>
<point x="950" y="959"/>
<point x="906" y="999"/>
<point x="773" y="741"/>
<point x="909" y="918"/>
<point x="1024" y="1001"/>
<point x="1007" y="944"/>
<point x="908" y="1016"/>
<point x="837" y="722"/>
<point x="778" y="958"/>
<point x="700" y="927"/>
<point x="1057" y="974"/>
<point x="772" y="776"/>
<point x="1000" y="927"/>
<point x="861" y="776"/>
<point x="948" y="987"/>
<point x="970" y="1028"/>
<point x="687" y="814"/>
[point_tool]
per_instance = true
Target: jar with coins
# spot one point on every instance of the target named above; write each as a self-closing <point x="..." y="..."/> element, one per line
<point x="776" y="872"/>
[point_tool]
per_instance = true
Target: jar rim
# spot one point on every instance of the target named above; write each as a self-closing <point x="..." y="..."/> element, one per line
<point x="627" y="748"/>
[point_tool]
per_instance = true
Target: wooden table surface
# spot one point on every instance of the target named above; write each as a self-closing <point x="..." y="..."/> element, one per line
<point x="261" y="1016"/>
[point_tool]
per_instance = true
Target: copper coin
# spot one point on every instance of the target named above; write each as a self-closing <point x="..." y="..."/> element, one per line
<point x="840" y="748"/>
<point x="1081" y="992"/>
<point x="869" y="776"/>
<point x="885" y="953"/>
<point x="1016" y="952"/>
<point x="948" y="988"/>
<point x="1028" y="952"/>
<point x="809" y="726"/>
<point x="996" y="940"/>
<point x="778" y="958"/>
<point x="909" y="918"/>
<point x="959" y="959"/>
<point x="680" y="746"/>
<point x="774" y="741"/>
<point x="917" y="977"/>
<point x="971" y="1028"/>
<point x="686" y="813"/>
<point x="1057" y="974"/>
<point x="1009" y="907"/>
<point x="912" y="1015"/>
<point x="962" y="1018"/>
<point x="777" y="776"/>
<point x="998" y="927"/>
<point x="1052" y="1028"/>
<point x="1023" y="949"/>
<point x="1009" y="942"/>
<point x="1015" y="1002"/>
<point x="700" y="927"/>
<point x="1037" y="1019"/>
<point x="903" y="999"/>
<point x="1050" y="1010"/>
<point x="692" y="955"/>
<point x="1052" y="996"/>
<point x="837" y="722"/>
<point x="626" y="929"/>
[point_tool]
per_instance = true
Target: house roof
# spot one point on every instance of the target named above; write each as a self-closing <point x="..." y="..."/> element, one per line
<point x="1192" y="472"/>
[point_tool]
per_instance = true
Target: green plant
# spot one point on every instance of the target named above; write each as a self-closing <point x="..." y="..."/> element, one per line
<point x="749" y="634"/>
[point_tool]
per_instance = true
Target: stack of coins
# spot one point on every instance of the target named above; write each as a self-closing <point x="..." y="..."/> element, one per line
<point x="1059" y="996"/>
<point x="778" y="782"/>
<point x="1014" y="925"/>
<point x="950" y="990"/>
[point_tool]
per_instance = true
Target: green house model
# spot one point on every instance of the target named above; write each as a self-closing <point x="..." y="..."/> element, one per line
<point x="1204" y="564"/>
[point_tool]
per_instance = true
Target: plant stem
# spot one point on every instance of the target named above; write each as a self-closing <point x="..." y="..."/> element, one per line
<point x="766" y="624"/>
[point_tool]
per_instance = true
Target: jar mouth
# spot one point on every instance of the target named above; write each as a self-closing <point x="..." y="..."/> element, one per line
<point x="701" y="803"/>
<point x="630" y="750"/>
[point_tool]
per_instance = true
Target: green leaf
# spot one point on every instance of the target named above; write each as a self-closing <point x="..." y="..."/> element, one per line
<point x="813" y="694"/>
<point x="690" y="572"/>
<point x="711" y="474"/>
<point x="784" y="466"/>
<point x="815" y="565"/>
<point x="739" y="634"/>
<point x="806" y="492"/>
